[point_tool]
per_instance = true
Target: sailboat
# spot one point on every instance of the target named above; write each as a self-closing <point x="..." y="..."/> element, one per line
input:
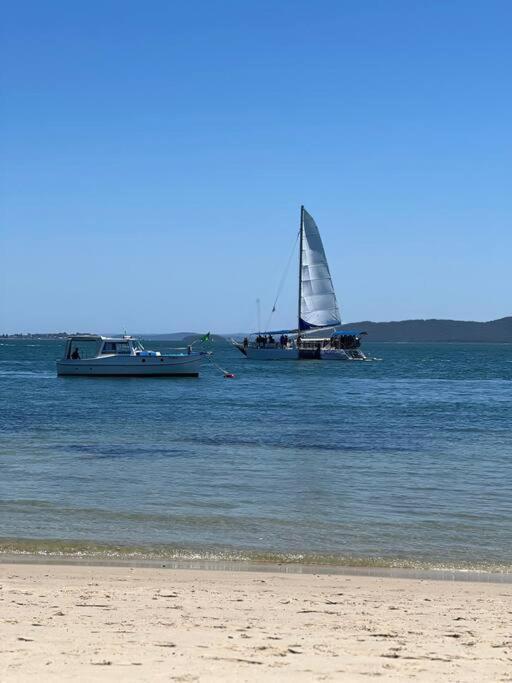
<point x="318" y="312"/>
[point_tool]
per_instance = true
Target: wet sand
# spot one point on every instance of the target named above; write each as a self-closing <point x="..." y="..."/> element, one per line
<point x="78" y="623"/>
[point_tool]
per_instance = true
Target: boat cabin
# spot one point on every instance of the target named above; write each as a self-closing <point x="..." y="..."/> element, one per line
<point x="82" y="346"/>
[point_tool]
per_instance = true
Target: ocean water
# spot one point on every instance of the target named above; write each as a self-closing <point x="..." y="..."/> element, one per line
<point x="401" y="462"/>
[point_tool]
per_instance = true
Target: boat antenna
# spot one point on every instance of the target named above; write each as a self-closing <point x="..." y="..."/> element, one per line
<point x="301" y="233"/>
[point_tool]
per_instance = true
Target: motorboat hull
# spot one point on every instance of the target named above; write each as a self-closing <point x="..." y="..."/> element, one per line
<point x="132" y="366"/>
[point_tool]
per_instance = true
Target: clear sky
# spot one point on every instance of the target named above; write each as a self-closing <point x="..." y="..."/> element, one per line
<point x="154" y="156"/>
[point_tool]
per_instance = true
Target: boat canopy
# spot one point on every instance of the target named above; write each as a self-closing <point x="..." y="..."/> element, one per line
<point x="274" y="332"/>
<point x="311" y="330"/>
<point x="96" y="345"/>
<point x="84" y="337"/>
<point x="99" y="337"/>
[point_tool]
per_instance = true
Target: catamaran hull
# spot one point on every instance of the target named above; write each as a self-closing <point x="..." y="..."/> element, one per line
<point x="334" y="354"/>
<point x="130" y="366"/>
<point x="268" y="354"/>
<point x="297" y="354"/>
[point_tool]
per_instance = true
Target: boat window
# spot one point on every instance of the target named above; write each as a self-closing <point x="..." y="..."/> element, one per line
<point x="116" y="347"/>
<point x="123" y="347"/>
<point x="83" y="349"/>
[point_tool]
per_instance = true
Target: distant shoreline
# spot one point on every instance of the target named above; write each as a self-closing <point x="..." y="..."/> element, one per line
<point x="368" y="340"/>
<point x="244" y="566"/>
<point x="423" y="331"/>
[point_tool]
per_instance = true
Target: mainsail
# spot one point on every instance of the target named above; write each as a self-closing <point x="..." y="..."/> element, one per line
<point x="317" y="305"/>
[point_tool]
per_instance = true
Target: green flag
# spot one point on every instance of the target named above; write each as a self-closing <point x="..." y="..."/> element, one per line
<point x="206" y="337"/>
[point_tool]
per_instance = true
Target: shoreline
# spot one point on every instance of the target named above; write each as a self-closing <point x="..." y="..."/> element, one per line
<point x="251" y="566"/>
<point x="99" y="623"/>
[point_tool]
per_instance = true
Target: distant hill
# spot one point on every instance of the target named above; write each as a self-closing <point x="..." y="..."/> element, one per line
<point x="436" y="330"/>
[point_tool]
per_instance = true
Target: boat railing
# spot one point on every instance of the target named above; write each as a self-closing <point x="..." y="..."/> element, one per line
<point x="271" y="345"/>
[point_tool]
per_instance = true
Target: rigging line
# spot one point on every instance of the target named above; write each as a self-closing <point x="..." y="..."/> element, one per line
<point x="226" y="373"/>
<point x="283" y="279"/>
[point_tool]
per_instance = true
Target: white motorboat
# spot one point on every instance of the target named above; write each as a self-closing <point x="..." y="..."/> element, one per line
<point x="96" y="356"/>
<point x="318" y="312"/>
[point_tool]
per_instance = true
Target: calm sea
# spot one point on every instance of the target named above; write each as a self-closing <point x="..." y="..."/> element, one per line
<point x="401" y="462"/>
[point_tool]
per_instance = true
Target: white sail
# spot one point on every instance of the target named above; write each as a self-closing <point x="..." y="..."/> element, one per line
<point x="318" y="305"/>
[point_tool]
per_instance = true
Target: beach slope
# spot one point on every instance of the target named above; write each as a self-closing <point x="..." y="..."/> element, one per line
<point x="89" y="623"/>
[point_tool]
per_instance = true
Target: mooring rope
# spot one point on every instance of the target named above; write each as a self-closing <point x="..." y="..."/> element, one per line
<point x="226" y="373"/>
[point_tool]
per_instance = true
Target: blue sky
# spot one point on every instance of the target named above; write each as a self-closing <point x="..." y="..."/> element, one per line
<point x="154" y="157"/>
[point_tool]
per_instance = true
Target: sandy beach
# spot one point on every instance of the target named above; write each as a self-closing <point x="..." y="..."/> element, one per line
<point x="89" y="623"/>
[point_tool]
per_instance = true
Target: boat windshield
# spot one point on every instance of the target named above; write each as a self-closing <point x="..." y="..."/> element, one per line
<point x="79" y="349"/>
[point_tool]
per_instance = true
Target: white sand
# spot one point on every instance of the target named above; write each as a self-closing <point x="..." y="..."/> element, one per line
<point x="78" y="623"/>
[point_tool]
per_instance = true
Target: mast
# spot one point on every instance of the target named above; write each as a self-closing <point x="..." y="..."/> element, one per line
<point x="258" y="315"/>
<point x="301" y="233"/>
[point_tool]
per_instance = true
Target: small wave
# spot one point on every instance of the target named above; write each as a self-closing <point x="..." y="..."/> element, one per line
<point x="26" y="373"/>
<point x="17" y="362"/>
<point x="68" y="550"/>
